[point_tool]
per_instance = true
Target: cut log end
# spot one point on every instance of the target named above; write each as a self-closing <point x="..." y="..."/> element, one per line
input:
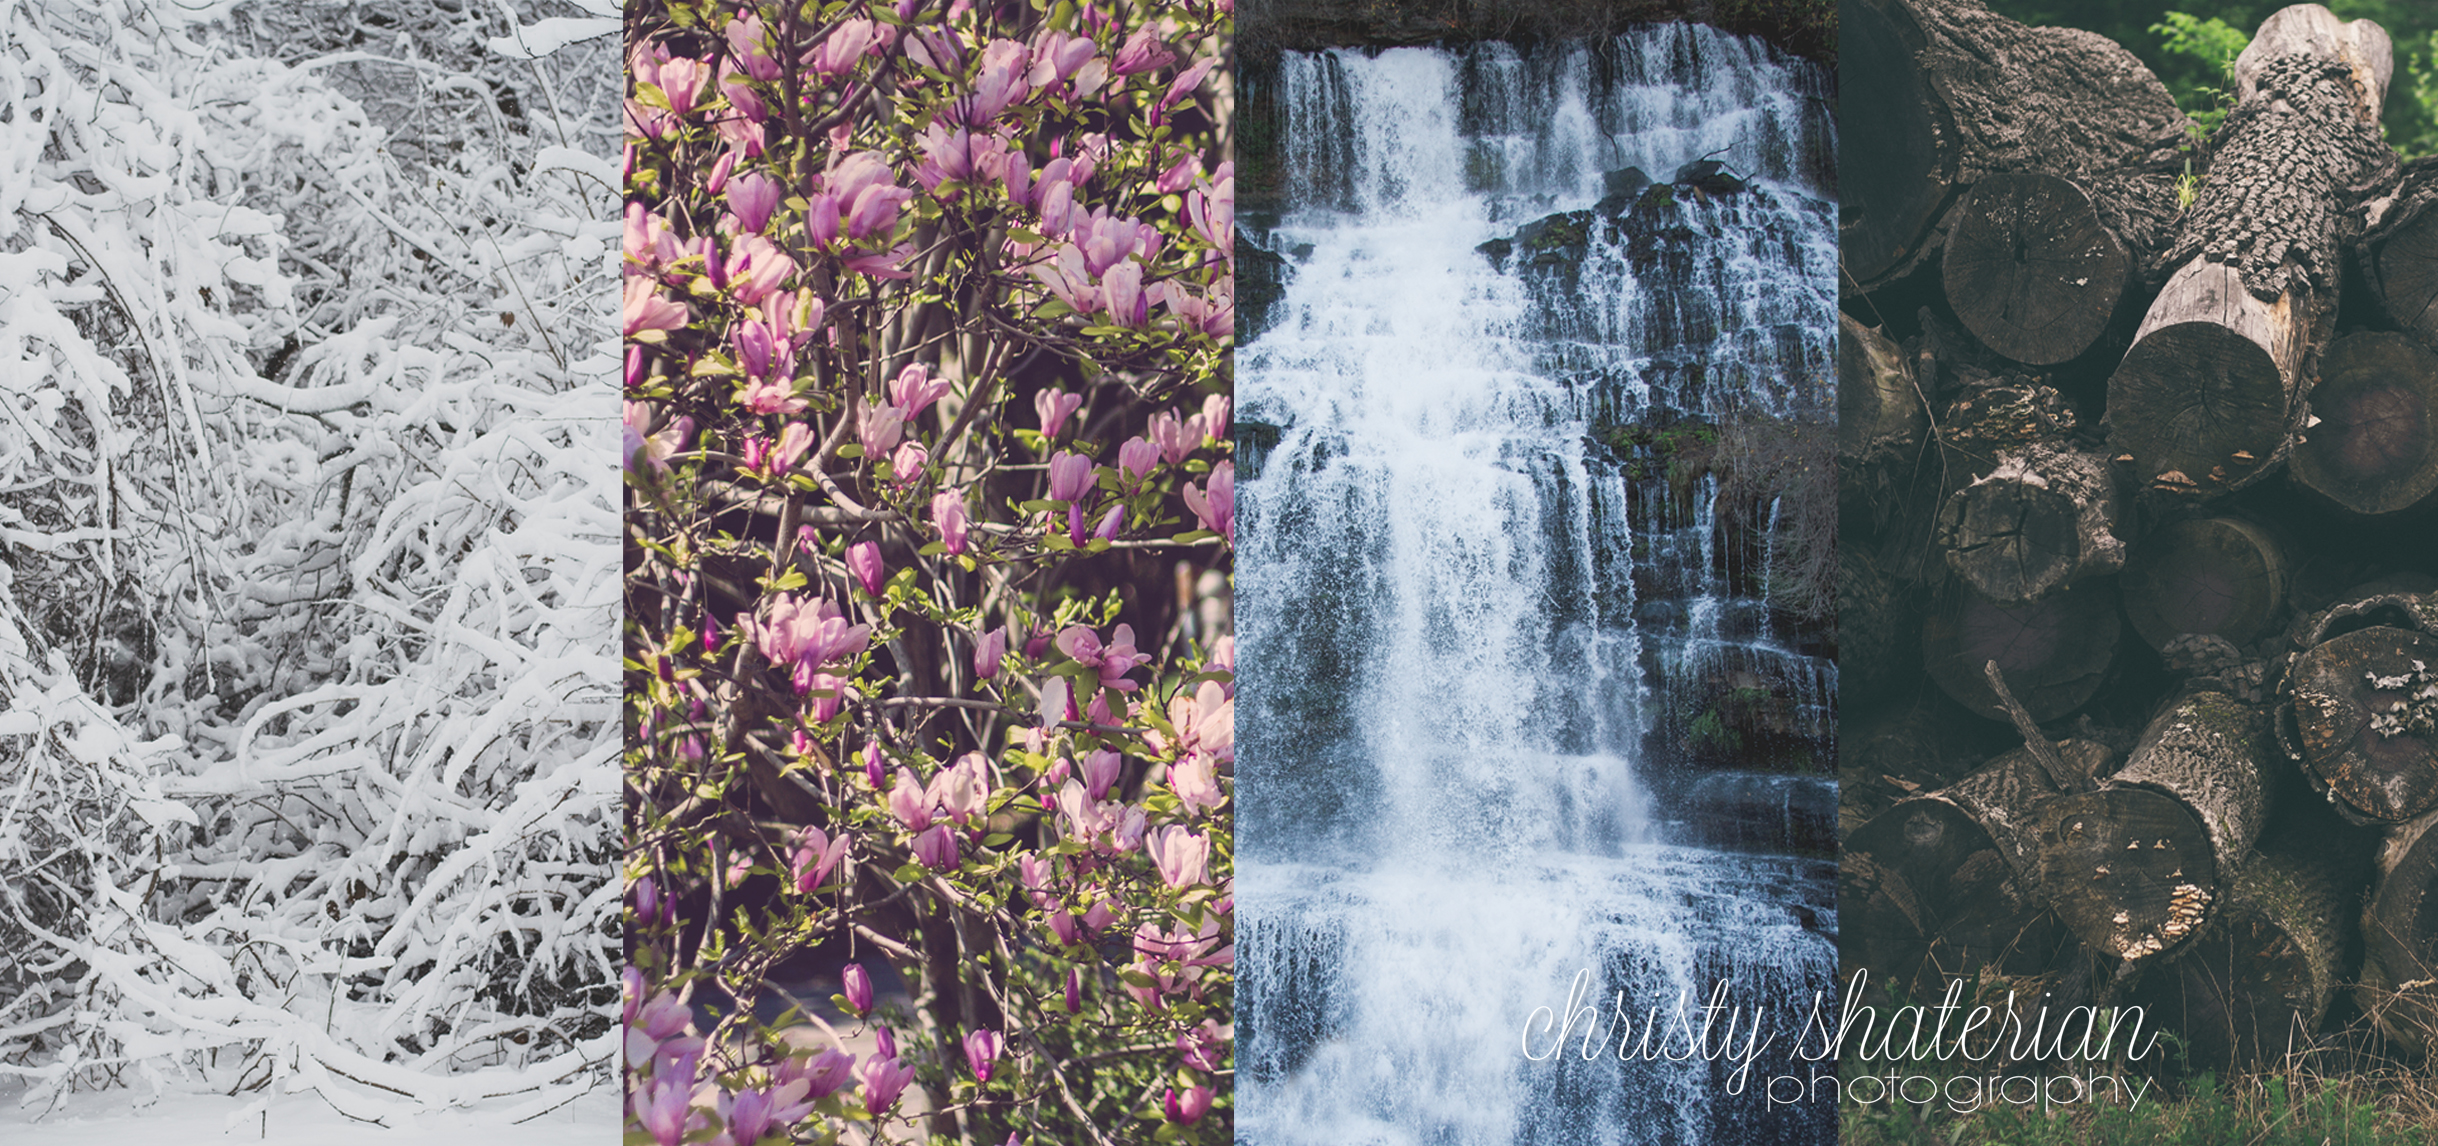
<point x="2257" y="982"/>
<point x="2129" y="870"/>
<point x="2213" y="576"/>
<point x="2191" y="402"/>
<point x="2366" y="717"/>
<point x="2375" y="449"/>
<point x="2054" y="651"/>
<point x="2400" y="939"/>
<point x="2030" y="268"/>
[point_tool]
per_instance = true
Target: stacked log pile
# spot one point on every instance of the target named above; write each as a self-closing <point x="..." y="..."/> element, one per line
<point x="2140" y="512"/>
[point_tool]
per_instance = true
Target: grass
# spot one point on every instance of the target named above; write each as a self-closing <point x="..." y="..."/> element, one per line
<point x="2287" y="1109"/>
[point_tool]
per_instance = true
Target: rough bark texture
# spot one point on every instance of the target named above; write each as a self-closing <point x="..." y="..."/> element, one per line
<point x="1942" y="885"/>
<point x="2217" y="368"/>
<point x="2206" y="576"/>
<point x="1937" y="95"/>
<point x="2031" y="268"/>
<point x="2400" y="252"/>
<point x="2399" y="986"/>
<point x="2374" y="447"/>
<point x="2054" y="651"/>
<point x="2044" y="518"/>
<point x="2137" y="866"/>
<point x="1880" y="417"/>
<point x="2255" y="984"/>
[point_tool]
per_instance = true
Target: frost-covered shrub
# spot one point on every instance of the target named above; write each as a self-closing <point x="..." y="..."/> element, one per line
<point x="307" y="739"/>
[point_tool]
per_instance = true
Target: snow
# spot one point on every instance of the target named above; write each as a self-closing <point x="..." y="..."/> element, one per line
<point x="302" y="1120"/>
<point x="534" y="41"/>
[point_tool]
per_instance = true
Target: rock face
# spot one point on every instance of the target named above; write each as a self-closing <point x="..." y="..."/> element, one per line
<point x="1806" y="28"/>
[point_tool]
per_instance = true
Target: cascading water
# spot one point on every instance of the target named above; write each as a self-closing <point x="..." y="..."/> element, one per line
<point x="1463" y="619"/>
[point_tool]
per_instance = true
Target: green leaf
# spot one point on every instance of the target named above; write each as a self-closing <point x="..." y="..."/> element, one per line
<point x="911" y="873"/>
<point x="850" y="450"/>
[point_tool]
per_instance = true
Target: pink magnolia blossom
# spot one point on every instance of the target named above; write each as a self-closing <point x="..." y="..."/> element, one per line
<point x="913" y="390"/>
<point x="718" y="179"/>
<point x="646" y="310"/>
<point x="1181" y="174"/>
<point x="962" y="790"/>
<point x="815" y="856"/>
<point x="874" y="764"/>
<point x="1122" y="290"/>
<point x="1168" y="431"/>
<point x="989" y="651"/>
<point x="845" y="43"/>
<point x="1182" y="87"/>
<point x="907" y="462"/>
<point x="1101" y="769"/>
<point x="1056" y="704"/>
<point x="1212" y="210"/>
<point x="1142" y="52"/>
<point x="856" y="984"/>
<point x="1075" y="992"/>
<point x="752" y="269"/>
<point x="830" y="693"/>
<point x="1070" y="476"/>
<point x="948" y="514"/>
<point x="748" y="40"/>
<point x="1195" y="780"/>
<point x="1188" y="1108"/>
<point x="1137" y="458"/>
<point x="908" y="801"/>
<point x="863" y="560"/>
<point x="883" y="1080"/>
<point x="1216" y="508"/>
<point x="681" y="79"/>
<point x="937" y="848"/>
<point x="1110" y="522"/>
<point x="879" y="427"/>
<point x="1057" y="56"/>
<point x="753" y="196"/>
<point x="1182" y="857"/>
<point x="1000" y="84"/>
<point x="1214" y="416"/>
<point x="981" y="1051"/>
<point x="822" y="1074"/>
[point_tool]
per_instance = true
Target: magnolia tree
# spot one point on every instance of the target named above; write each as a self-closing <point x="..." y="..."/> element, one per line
<point x="929" y="513"/>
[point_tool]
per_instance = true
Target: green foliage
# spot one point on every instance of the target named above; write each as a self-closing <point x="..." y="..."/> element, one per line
<point x="1709" y="730"/>
<point x="2215" y="44"/>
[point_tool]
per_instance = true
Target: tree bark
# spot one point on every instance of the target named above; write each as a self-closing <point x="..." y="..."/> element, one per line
<point x="2054" y="651"/>
<point x="1942" y="885"/>
<point x="2045" y="518"/>
<point x="2400" y="253"/>
<point x="2137" y="866"/>
<point x="2215" y="576"/>
<point x="2374" y="446"/>
<point x="2256" y="983"/>
<point x="2399" y="987"/>
<point x="2216" y="371"/>
<point x="1937" y="95"/>
<point x="2032" y="269"/>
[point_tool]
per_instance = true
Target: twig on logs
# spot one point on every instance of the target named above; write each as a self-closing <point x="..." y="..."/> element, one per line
<point x="2041" y="748"/>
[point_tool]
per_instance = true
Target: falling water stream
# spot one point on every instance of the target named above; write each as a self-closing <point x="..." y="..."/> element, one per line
<point x="1463" y="620"/>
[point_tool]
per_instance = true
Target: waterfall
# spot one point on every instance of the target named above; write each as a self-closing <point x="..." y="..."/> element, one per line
<point x="1471" y="630"/>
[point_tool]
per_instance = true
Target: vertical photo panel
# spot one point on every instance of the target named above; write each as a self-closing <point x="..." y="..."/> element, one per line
<point x="1537" y="578"/>
<point x="308" y="572"/>
<point x="2139" y="404"/>
<point x="930" y="533"/>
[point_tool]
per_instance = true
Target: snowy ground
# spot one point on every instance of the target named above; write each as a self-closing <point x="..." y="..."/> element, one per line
<point x="303" y="1120"/>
